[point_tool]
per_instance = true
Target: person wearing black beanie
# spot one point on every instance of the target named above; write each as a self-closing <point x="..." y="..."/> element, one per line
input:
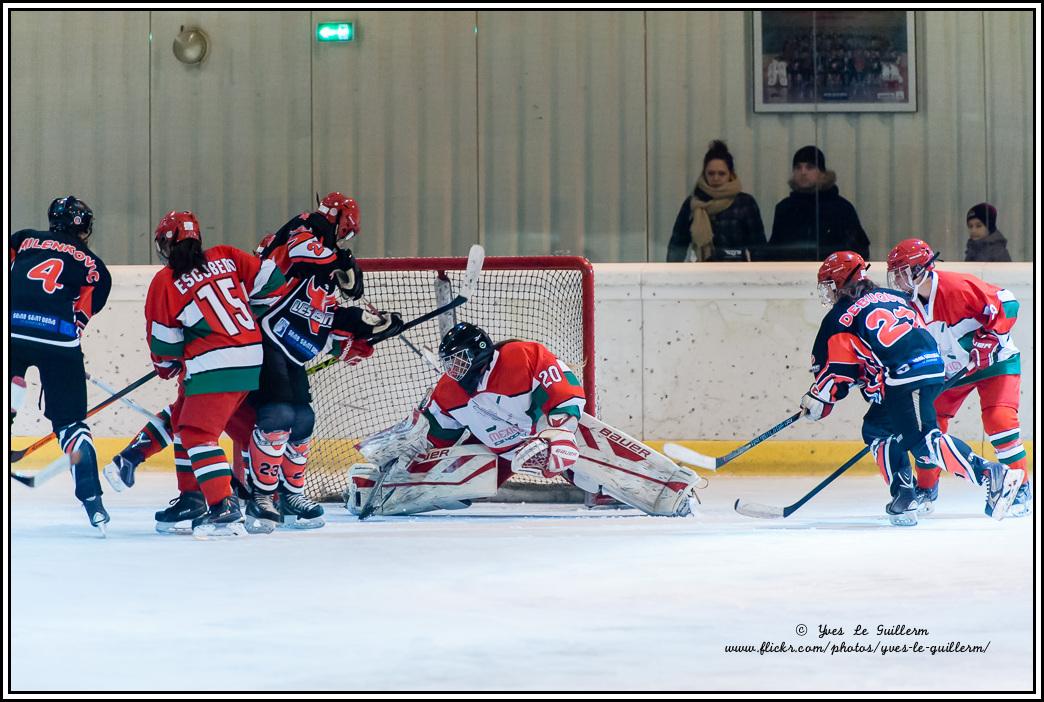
<point x="814" y="221"/>
<point x="985" y="243"/>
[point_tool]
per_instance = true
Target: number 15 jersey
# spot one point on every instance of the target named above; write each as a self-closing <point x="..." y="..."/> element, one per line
<point x="204" y="320"/>
<point x="874" y="341"/>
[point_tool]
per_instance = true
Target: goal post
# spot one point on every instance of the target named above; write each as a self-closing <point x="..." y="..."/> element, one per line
<point x="549" y="299"/>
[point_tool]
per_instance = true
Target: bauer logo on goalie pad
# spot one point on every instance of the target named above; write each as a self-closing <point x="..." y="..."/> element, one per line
<point x="632" y="449"/>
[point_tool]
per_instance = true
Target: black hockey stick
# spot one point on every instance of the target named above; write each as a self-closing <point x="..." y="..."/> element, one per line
<point x="18" y="454"/>
<point x="475" y="258"/>
<point x="695" y="458"/>
<point x="756" y="509"/>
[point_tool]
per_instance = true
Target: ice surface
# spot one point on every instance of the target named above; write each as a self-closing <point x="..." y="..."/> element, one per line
<point x="521" y="597"/>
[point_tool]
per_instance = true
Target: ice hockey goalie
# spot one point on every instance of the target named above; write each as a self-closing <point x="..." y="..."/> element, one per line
<point x="505" y="408"/>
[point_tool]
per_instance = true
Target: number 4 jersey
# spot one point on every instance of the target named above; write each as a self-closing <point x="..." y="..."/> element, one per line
<point x="57" y="285"/>
<point x="204" y="319"/>
<point x="873" y="341"/>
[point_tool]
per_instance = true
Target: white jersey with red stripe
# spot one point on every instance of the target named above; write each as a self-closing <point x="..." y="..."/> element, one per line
<point x="525" y="390"/>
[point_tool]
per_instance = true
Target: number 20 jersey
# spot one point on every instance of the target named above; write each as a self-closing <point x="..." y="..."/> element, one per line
<point x="873" y="341"/>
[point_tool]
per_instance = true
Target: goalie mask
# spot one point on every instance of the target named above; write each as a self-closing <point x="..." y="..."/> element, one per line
<point x="465" y="353"/>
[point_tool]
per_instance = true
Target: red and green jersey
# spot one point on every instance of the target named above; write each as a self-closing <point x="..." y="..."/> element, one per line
<point x="203" y="319"/>
<point x="525" y="389"/>
<point x="961" y="306"/>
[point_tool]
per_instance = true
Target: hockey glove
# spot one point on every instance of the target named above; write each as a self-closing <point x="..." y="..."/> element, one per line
<point x="815" y="409"/>
<point x="348" y="276"/>
<point x="355" y="352"/>
<point x="983" y="351"/>
<point x="548" y="454"/>
<point x="167" y="369"/>
<point x="387" y="325"/>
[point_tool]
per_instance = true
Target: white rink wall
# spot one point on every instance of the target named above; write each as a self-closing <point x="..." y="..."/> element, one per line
<point x="684" y="351"/>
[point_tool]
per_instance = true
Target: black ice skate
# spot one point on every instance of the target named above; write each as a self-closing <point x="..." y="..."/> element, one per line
<point x="120" y="472"/>
<point x="222" y="520"/>
<point x="261" y="513"/>
<point x="299" y="512"/>
<point x="1023" y="504"/>
<point x="185" y="507"/>
<point x="96" y="513"/>
<point x="902" y="510"/>
<point x="1002" y="487"/>
<point x="926" y="498"/>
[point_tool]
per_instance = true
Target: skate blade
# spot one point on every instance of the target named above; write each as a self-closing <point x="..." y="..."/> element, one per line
<point x="259" y="526"/>
<point x="906" y="519"/>
<point x="1012" y="482"/>
<point x="294" y="522"/>
<point x="102" y="532"/>
<point x="1018" y="511"/>
<point x="168" y="528"/>
<point x="112" y="475"/>
<point x="926" y="508"/>
<point x="205" y="532"/>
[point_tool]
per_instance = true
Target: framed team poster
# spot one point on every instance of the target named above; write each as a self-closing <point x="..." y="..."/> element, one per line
<point x="834" y="61"/>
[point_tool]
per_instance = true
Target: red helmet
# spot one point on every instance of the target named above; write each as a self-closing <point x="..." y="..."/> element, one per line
<point x="266" y="240"/>
<point x="837" y="271"/>
<point x="174" y="227"/>
<point x="909" y="263"/>
<point x="343" y="212"/>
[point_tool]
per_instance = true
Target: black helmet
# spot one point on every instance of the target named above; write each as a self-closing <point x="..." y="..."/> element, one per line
<point x="71" y="215"/>
<point x="466" y="351"/>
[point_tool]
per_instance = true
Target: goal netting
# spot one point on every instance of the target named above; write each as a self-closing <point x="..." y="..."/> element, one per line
<point x="549" y="299"/>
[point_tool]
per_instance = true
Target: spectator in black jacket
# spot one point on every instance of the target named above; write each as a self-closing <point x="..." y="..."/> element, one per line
<point x="985" y="243"/>
<point x="717" y="222"/>
<point x="814" y="221"/>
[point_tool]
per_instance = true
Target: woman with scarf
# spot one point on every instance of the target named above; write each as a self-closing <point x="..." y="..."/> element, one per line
<point x="717" y="222"/>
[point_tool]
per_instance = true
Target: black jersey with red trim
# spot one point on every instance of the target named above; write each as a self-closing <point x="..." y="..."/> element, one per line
<point x="57" y="285"/>
<point x="873" y="341"/>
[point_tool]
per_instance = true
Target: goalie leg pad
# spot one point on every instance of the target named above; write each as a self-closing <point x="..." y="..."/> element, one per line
<point x="628" y="470"/>
<point x="447" y="478"/>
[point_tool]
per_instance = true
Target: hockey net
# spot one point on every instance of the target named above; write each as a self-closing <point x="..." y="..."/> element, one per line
<point x="549" y="299"/>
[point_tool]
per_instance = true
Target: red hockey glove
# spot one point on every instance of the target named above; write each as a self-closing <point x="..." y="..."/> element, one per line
<point x="167" y="369"/>
<point x="355" y="352"/>
<point x="983" y="351"/>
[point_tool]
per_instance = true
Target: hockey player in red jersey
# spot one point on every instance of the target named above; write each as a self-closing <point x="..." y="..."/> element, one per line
<point x="306" y="320"/>
<point x="198" y="320"/>
<point x="500" y="409"/>
<point x="872" y="339"/>
<point x="971" y="321"/>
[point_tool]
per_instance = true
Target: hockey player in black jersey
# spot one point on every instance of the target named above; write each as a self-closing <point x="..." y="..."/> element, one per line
<point x="871" y="338"/>
<point x="312" y="252"/>
<point x="57" y="285"/>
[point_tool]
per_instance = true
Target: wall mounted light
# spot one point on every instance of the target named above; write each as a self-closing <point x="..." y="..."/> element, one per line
<point x="191" y="45"/>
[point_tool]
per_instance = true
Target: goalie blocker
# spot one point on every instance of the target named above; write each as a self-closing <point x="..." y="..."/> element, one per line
<point x="450" y="478"/>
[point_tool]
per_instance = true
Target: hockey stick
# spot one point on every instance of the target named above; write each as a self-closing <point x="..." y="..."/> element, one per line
<point x="62" y="463"/>
<point x="758" y="510"/>
<point x="18" y="454"/>
<point x="125" y="400"/>
<point x="474" y="267"/>
<point x="369" y="507"/>
<point x="694" y="458"/>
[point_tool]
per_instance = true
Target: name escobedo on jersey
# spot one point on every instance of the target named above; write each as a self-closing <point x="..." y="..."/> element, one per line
<point x="220" y="266"/>
<point x="865" y="301"/>
<point x="59" y="247"/>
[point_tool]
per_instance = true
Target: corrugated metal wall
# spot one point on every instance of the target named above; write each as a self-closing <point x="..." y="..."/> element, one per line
<point x="533" y="132"/>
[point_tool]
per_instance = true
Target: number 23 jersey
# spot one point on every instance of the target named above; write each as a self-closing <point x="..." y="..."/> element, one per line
<point x="874" y="341"/>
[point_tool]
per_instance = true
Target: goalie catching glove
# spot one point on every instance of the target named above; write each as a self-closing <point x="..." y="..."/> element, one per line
<point x="546" y="455"/>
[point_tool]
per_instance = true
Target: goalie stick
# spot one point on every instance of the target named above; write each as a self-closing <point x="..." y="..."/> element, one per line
<point x="62" y="463"/>
<point x="761" y="511"/>
<point x="474" y="267"/>
<point x="695" y="458"/>
<point x="18" y="454"/>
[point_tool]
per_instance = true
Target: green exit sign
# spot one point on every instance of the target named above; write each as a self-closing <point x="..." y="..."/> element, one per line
<point x="335" y="31"/>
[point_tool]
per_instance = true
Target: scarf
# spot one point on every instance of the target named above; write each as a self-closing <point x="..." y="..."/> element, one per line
<point x="827" y="180"/>
<point x="702" y="246"/>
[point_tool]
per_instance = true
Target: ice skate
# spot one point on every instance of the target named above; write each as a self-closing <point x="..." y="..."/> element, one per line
<point x="1002" y="487"/>
<point x="1023" y="504"/>
<point x="299" y="512"/>
<point x="223" y="520"/>
<point x="96" y="513"/>
<point x="184" y="508"/>
<point x="261" y="513"/>
<point x="926" y="498"/>
<point x="120" y="472"/>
